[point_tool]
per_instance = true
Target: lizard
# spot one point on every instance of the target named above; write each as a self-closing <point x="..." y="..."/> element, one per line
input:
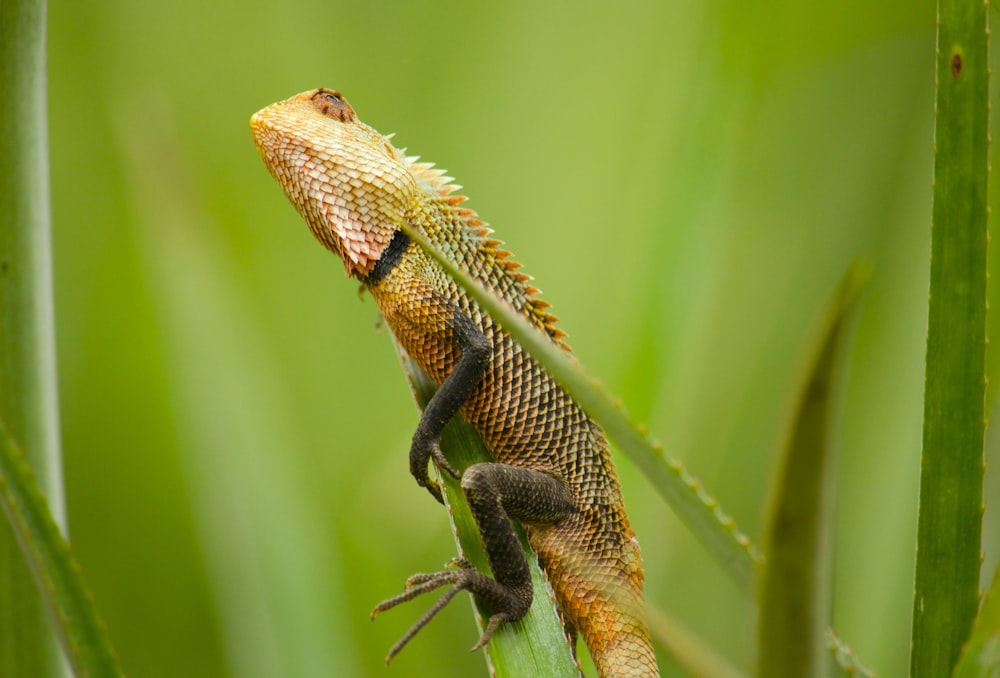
<point x="552" y="470"/>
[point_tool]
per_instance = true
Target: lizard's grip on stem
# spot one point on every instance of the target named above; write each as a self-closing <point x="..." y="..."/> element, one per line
<point x="421" y="450"/>
<point x="496" y="493"/>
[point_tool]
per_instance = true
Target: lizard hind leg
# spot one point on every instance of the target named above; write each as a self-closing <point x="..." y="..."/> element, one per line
<point x="497" y="493"/>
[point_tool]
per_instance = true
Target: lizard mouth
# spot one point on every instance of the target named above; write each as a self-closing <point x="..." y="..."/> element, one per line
<point x="267" y="139"/>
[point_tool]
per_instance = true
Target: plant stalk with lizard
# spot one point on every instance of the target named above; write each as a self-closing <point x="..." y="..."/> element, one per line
<point x="552" y="470"/>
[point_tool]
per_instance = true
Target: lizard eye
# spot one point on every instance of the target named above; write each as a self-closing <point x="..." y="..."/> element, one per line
<point x="331" y="104"/>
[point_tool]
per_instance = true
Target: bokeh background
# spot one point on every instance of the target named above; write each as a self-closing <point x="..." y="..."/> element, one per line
<point x="687" y="181"/>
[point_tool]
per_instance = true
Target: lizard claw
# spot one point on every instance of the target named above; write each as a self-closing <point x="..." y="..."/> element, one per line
<point x="460" y="563"/>
<point x="493" y="624"/>
<point x="442" y="462"/>
<point x="435" y="488"/>
<point x="422" y="450"/>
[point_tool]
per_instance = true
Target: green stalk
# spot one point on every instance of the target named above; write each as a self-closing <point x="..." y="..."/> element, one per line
<point x="27" y="342"/>
<point x="535" y="645"/>
<point x="946" y="590"/>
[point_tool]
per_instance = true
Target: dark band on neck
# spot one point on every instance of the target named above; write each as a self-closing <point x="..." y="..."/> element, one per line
<point x="391" y="256"/>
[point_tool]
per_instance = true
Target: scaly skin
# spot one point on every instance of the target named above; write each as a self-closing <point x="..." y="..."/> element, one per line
<point x="553" y="471"/>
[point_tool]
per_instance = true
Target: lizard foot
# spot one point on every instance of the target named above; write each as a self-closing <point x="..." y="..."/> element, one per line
<point x="466" y="578"/>
<point x="497" y="493"/>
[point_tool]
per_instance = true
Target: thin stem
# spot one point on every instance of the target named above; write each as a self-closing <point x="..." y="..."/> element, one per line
<point x="27" y="344"/>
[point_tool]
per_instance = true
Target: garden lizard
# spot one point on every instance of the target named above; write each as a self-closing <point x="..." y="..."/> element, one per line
<point x="552" y="471"/>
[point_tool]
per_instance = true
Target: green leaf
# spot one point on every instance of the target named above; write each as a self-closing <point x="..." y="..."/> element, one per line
<point x="980" y="657"/>
<point x="794" y="595"/>
<point x="951" y="472"/>
<point x="536" y="645"/>
<point x="56" y="572"/>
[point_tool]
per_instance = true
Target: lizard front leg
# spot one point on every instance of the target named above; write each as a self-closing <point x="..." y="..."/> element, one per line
<point x="497" y="494"/>
<point x="474" y="350"/>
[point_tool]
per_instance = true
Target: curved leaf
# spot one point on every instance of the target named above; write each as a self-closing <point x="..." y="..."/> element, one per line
<point x="794" y="609"/>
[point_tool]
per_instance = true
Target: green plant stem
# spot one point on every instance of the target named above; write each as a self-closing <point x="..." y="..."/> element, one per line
<point x="27" y="344"/>
<point x="946" y="592"/>
<point x="535" y="645"/>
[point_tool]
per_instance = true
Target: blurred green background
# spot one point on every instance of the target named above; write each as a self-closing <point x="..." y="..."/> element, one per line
<point x="686" y="180"/>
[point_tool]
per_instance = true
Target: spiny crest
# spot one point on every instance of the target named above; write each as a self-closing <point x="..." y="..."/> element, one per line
<point x="437" y="183"/>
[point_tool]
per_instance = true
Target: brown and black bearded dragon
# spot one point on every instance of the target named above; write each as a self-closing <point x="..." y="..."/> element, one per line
<point x="552" y="470"/>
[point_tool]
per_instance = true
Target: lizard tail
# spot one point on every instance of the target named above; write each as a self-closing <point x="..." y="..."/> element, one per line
<point x="600" y="593"/>
<point x="618" y="640"/>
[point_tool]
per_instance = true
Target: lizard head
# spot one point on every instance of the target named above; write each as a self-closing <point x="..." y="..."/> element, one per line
<point x="345" y="179"/>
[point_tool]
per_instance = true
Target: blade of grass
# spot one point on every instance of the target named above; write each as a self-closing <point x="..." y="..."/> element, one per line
<point x="70" y="604"/>
<point x="980" y="657"/>
<point x="951" y="471"/>
<point x="535" y="645"/>
<point x="794" y="595"/>
<point x="27" y="340"/>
